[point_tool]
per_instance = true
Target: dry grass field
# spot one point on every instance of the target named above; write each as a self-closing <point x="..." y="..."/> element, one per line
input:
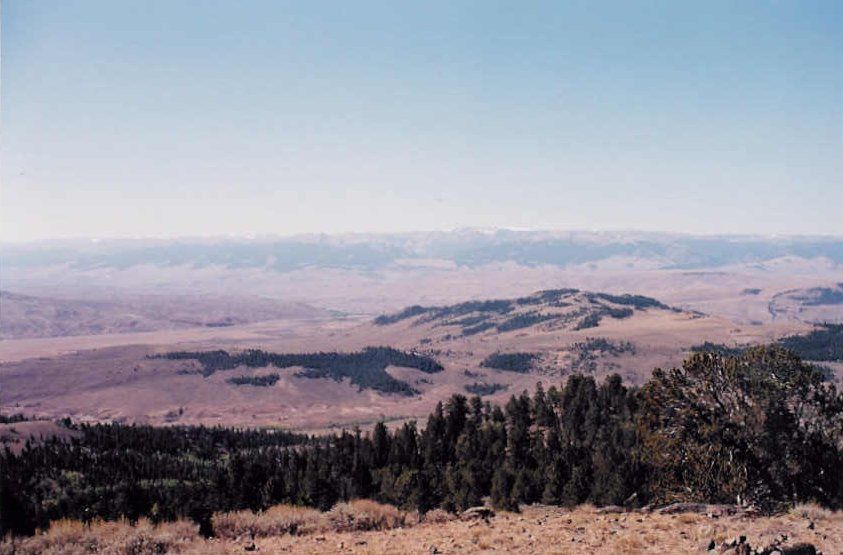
<point x="367" y="527"/>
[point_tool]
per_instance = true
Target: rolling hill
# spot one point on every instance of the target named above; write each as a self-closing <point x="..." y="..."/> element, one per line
<point x="29" y="316"/>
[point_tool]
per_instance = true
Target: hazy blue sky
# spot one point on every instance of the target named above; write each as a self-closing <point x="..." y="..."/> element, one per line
<point x="187" y="117"/>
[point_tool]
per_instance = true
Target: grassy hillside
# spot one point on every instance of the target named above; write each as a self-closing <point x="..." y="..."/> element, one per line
<point x="554" y="308"/>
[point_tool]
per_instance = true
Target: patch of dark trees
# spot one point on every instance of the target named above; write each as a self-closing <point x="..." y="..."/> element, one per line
<point x="636" y="301"/>
<point x="12" y="418"/>
<point x="409" y="312"/>
<point x="525" y="321"/>
<point x="479" y="328"/>
<point x="365" y="369"/>
<point x="761" y="429"/>
<point x="549" y="296"/>
<point x="483" y="389"/>
<point x="593" y="318"/>
<point x="265" y="380"/>
<point x="469" y="321"/>
<point x="825" y="343"/>
<point x="480" y="323"/>
<point x="820" y="296"/>
<point x="511" y="362"/>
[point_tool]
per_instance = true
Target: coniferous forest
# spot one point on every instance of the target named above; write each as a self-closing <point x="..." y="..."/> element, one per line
<point x="761" y="428"/>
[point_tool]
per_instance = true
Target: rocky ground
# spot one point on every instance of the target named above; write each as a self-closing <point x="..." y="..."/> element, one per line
<point x="584" y="530"/>
<point x="366" y="527"/>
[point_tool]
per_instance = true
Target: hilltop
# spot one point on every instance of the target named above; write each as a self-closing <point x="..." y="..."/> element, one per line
<point x="555" y="309"/>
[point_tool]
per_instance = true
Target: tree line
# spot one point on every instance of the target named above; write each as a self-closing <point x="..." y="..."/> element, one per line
<point x="760" y="428"/>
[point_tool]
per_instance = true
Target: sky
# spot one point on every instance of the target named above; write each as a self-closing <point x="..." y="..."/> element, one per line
<point x="201" y="118"/>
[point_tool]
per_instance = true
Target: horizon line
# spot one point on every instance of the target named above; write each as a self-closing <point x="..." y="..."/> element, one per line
<point x="489" y="230"/>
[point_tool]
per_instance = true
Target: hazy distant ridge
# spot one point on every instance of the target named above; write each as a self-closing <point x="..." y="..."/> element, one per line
<point x="464" y="248"/>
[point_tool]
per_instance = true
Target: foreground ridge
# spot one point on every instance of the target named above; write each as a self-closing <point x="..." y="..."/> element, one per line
<point x="368" y="527"/>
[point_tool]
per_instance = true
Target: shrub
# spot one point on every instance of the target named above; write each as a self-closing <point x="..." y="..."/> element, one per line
<point x="275" y="521"/>
<point x="438" y="516"/>
<point x="119" y="538"/>
<point x="364" y="515"/>
<point x="761" y="428"/>
<point x="811" y="511"/>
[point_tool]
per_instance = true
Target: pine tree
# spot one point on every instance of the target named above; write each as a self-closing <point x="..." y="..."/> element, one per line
<point x="501" y="493"/>
<point x="15" y="517"/>
<point x="380" y="445"/>
<point x="434" y="437"/>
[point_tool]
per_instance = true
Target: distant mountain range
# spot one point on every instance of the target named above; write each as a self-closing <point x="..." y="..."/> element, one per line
<point x="469" y="248"/>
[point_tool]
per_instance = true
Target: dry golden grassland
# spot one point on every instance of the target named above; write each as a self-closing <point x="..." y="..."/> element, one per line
<point x="368" y="527"/>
